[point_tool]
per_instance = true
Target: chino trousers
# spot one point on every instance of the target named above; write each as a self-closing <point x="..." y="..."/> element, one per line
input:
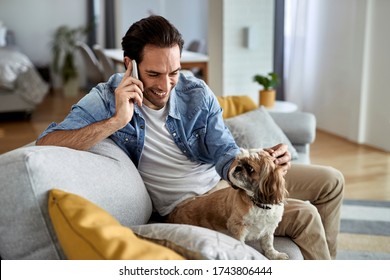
<point x="312" y="211"/>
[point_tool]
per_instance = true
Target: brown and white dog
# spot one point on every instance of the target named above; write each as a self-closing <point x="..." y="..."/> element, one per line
<point x="251" y="210"/>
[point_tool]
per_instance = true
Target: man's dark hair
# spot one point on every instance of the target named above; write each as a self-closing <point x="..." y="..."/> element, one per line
<point x="153" y="30"/>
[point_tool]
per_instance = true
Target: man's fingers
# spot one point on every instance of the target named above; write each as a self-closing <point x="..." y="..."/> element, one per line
<point x="128" y="70"/>
<point x="138" y="98"/>
<point x="131" y="84"/>
<point x="285" y="158"/>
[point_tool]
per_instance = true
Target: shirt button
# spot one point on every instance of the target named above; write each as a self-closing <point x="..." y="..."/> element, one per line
<point x="174" y="134"/>
<point x="127" y="139"/>
<point x="142" y="127"/>
<point x="184" y="151"/>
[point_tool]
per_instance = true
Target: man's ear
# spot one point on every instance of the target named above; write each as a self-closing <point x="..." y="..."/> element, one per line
<point x="127" y="62"/>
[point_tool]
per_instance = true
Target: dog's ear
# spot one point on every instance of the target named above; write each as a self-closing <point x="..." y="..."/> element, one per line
<point x="272" y="189"/>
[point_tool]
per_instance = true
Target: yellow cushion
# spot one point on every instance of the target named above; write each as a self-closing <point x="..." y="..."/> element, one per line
<point x="86" y="231"/>
<point x="236" y="105"/>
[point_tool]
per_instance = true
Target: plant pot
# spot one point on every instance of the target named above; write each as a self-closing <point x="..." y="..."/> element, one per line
<point x="71" y="88"/>
<point x="267" y="98"/>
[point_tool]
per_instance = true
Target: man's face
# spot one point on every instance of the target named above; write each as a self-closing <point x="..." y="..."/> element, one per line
<point x="159" y="72"/>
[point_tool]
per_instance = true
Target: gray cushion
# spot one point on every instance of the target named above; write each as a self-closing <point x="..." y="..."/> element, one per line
<point x="110" y="180"/>
<point x="257" y="129"/>
<point x="210" y="244"/>
<point x="282" y="244"/>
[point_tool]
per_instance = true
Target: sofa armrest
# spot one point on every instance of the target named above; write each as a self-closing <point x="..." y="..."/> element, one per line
<point x="105" y="175"/>
<point x="299" y="127"/>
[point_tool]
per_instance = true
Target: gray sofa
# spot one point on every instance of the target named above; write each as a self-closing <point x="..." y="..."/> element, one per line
<point x="106" y="176"/>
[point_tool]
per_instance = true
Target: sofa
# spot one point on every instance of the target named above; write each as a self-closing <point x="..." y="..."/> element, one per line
<point x="106" y="181"/>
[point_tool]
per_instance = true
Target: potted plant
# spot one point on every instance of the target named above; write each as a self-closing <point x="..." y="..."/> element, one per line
<point x="268" y="94"/>
<point x="63" y="50"/>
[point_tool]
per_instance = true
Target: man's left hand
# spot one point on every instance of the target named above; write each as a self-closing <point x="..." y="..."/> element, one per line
<point x="282" y="156"/>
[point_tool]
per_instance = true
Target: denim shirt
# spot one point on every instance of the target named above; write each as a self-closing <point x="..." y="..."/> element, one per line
<point x="194" y="122"/>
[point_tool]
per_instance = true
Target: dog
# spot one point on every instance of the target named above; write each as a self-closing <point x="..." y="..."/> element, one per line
<point x="249" y="210"/>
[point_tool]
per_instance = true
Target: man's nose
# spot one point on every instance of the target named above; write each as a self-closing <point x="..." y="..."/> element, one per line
<point x="164" y="83"/>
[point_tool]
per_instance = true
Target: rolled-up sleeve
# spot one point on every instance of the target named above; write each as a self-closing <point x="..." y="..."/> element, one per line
<point x="93" y="107"/>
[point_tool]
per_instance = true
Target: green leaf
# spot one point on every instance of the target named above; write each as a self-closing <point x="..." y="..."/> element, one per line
<point x="267" y="81"/>
<point x="63" y="48"/>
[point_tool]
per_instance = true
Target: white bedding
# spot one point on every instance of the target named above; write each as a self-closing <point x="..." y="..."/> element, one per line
<point x="19" y="76"/>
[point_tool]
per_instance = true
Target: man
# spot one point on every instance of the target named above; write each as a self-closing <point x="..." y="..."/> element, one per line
<point x="171" y="127"/>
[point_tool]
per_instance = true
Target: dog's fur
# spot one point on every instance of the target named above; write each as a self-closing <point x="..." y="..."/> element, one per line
<point x="251" y="210"/>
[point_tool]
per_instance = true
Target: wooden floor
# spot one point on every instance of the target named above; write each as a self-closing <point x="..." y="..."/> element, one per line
<point x="366" y="170"/>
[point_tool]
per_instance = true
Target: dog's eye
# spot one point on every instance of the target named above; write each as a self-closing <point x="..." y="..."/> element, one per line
<point x="249" y="168"/>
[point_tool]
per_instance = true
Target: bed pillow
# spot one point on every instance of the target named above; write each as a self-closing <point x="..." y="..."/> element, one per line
<point x="257" y="129"/>
<point x="88" y="232"/>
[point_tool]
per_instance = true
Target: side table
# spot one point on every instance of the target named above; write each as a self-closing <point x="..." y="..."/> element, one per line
<point x="283" y="107"/>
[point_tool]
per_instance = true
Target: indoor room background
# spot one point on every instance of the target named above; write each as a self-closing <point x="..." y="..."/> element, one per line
<point x="336" y="59"/>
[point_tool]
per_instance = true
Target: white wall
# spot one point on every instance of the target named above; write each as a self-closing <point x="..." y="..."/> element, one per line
<point x="376" y="126"/>
<point x="232" y="64"/>
<point x="35" y="21"/>
<point x="189" y="17"/>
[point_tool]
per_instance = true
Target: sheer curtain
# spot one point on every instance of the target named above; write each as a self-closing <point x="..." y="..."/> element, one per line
<point x="298" y="51"/>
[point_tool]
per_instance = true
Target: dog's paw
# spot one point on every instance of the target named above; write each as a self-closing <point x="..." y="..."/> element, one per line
<point x="277" y="256"/>
<point x="282" y="256"/>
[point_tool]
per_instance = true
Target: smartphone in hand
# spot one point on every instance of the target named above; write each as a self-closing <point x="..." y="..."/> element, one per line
<point x="134" y="72"/>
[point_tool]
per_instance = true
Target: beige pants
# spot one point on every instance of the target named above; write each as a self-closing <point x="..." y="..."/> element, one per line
<point x="312" y="212"/>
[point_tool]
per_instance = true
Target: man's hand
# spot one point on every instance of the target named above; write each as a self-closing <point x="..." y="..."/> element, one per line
<point x="282" y="156"/>
<point x="128" y="91"/>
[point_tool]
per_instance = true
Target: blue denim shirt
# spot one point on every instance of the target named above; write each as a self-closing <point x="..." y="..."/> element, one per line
<point x="194" y="121"/>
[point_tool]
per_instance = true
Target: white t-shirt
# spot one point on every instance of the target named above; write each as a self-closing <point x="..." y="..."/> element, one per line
<point x="169" y="176"/>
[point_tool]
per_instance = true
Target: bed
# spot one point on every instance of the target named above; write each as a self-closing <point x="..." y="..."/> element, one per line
<point x="21" y="86"/>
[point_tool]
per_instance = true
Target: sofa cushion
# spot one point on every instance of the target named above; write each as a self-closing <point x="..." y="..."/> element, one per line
<point x="88" y="232"/>
<point x="235" y="105"/>
<point x="210" y="244"/>
<point x="257" y="129"/>
<point x="105" y="176"/>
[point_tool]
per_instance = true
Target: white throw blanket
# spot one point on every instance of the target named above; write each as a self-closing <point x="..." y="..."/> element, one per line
<point x="18" y="74"/>
<point x="3" y="35"/>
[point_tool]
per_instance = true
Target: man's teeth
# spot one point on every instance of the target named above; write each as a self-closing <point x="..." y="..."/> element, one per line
<point x="159" y="93"/>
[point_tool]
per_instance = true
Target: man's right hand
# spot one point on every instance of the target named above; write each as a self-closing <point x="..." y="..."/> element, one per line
<point x="129" y="90"/>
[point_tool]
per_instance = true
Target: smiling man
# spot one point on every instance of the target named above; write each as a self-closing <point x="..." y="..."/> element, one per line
<point x="171" y="127"/>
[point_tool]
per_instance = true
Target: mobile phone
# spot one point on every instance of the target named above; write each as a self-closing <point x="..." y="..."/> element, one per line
<point x="134" y="72"/>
